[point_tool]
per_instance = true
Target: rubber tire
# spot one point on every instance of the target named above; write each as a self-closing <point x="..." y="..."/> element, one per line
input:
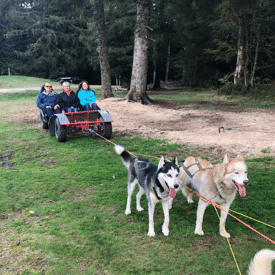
<point x="60" y="131"/>
<point x="107" y="130"/>
<point x="43" y="121"/>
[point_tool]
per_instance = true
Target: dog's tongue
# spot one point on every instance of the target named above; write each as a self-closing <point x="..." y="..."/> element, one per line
<point x="242" y="191"/>
<point x="172" y="193"/>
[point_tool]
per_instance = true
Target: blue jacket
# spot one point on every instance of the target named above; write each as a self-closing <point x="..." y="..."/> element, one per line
<point x="86" y="97"/>
<point x="46" y="99"/>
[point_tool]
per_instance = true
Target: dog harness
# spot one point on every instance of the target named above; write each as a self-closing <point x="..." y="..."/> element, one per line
<point x="198" y="165"/>
<point x="197" y="162"/>
<point x="154" y="190"/>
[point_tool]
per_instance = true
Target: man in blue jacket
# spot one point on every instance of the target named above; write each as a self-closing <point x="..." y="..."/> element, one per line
<point x="47" y="101"/>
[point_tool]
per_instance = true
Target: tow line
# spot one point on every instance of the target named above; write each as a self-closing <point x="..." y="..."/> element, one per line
<point x="94" y="132"/>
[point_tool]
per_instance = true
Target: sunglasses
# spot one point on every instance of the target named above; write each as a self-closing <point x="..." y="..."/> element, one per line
<point x="48" y="86"/>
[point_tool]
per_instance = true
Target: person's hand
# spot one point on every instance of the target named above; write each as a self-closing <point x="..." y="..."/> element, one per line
<point x="56" y="106"/>
<point x="48" y="107"/>
<point x="72" y="107"/>
<point x="63" y="112"/>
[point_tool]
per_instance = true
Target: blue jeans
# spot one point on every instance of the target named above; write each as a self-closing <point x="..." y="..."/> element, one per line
<point x="70" y="110"/>
<point x="50" y="111"/>
<point x="87" y="107"/>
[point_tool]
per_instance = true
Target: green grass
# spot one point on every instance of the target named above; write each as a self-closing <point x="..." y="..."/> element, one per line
<point x="208" y="100"/>
<point x="62" y="209"/>
<point x="14" y="81"/>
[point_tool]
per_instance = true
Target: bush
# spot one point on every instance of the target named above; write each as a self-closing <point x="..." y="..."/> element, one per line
<point x="263" y="91"/>
<point x="230" y="88"/>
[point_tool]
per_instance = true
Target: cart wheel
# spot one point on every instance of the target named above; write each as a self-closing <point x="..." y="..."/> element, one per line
<point x="60" y="131"/>
<point x="43" y="121"/>
<point x="105" y="130"/>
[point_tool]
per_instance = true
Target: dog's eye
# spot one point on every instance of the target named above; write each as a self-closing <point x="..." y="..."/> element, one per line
<point x="236" y="172"/>
<point x="169" y="175"/>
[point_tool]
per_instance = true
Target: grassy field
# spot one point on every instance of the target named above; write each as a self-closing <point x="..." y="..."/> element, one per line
<point x="208" y="99"/>
<point x="62" y="208"/>
<point x="9" y="82"/>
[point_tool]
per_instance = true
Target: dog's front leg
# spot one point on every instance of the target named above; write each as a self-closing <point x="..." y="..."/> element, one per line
<point x="170" y="203"/>
<point x="200" y="212"/>
<point x="165" y="226"/>
<point x="223" y="232"/>
<point x="151" y="208"/>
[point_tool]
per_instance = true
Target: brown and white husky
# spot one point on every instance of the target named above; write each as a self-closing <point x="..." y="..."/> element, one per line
<point x="218" y="183"/>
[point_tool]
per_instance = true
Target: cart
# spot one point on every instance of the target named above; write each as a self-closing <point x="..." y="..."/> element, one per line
<point x="98" y="121"/>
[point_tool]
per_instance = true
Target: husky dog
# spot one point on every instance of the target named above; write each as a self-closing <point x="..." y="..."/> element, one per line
<point x="261" y="264"/>
<point x="158" y="183"/>
<point x="218" y="183"/>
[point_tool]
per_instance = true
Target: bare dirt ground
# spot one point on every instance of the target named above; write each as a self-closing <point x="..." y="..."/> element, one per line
<point x="252" y="134"/>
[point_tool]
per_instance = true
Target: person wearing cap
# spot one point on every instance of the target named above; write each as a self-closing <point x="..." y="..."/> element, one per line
<point x="68" y="100"/>
<point x="87" y="97"/>
<point x="47" y="101"/>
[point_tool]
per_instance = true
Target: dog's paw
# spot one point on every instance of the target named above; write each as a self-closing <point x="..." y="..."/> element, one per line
<point x="190" y="201"/>
<point x="127" y="211"/>
<point x="199" y="232"/>
<point x="151" y="233"/>
<point x="224" y="234"/>
<point x="165" y="231"/>
<point x="140" y="209"/>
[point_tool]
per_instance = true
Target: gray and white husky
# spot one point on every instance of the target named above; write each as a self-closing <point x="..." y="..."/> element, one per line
<point x="158" y="183"/>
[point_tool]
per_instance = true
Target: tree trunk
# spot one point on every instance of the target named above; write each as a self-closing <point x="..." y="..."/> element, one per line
<point x="239" y="65"/>
<point x="255" y="59"/>
<point x="102" y="49"/>
<point x="138" y="85"/>
<point x="156" y="85"/>
<point x="246" y="82"/>
<point x="167" y="63"/>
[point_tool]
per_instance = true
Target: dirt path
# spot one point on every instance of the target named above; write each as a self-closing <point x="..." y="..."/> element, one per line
<point x="252" y="132"/>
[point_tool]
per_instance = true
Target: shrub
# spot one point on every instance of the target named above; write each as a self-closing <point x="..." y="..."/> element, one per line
<point x="263" y="91"/>
<point x="230" y="88"/>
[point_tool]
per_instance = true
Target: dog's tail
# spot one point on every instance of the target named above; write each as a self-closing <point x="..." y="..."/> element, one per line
<point x="125" y="156"/>
<point x="261" y="264"/>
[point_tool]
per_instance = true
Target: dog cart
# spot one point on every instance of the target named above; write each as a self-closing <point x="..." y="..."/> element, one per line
<point x="98" y="121"/>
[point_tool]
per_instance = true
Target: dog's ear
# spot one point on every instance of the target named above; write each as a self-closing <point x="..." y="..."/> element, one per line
<point x="161" y="162"/>
<point x="175" y="161"/>
<point x="225" y="159"/>
<point x="239" y="157"/>
<point x="225" y="162"/>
